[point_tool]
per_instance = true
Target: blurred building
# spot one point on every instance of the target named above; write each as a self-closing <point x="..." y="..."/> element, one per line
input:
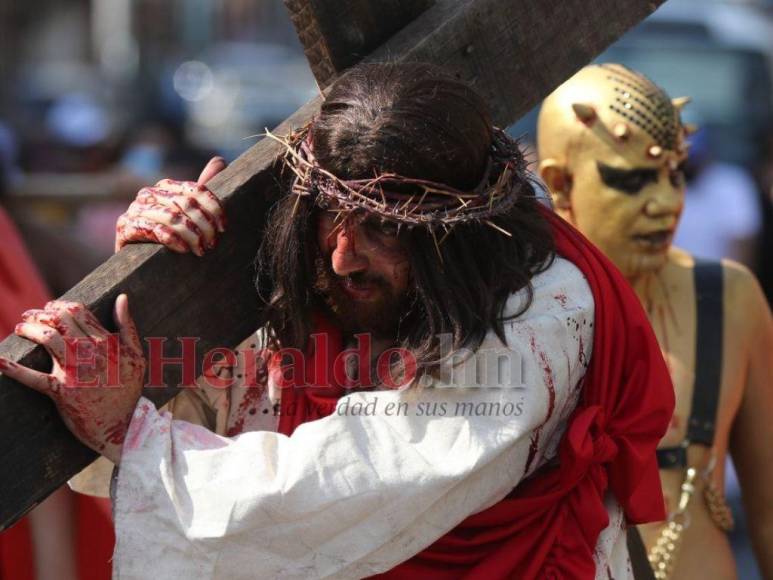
<point x="103" y="96"/>
<point x="106" y="65"/>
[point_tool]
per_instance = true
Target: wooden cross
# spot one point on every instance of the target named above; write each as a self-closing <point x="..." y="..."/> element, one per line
<point x="513" y="52"/>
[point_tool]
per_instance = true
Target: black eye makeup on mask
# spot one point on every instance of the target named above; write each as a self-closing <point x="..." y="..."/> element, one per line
<point x="630" y="181"/>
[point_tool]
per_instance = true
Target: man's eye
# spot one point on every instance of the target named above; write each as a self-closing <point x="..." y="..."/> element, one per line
<point x="629" y="181"/>
<point x="385" y="229"/>
<point x="389" y="229"/>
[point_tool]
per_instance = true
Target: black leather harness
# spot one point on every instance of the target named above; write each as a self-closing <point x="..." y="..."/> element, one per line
<point x="708" y="365"/>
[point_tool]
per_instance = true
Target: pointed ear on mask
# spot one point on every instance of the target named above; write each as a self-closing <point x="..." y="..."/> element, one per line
<point x="559" y="182"/>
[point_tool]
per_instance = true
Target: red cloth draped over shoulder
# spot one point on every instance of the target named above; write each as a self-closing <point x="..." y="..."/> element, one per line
<point x="548" y="526"/>
<point x="21" y="288"/>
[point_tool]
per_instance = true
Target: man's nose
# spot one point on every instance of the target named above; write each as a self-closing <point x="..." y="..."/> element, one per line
<point x="665" y="199"/>
<point x="347" y="258"/>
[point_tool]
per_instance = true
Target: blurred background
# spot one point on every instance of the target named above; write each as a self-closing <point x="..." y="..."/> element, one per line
<point x="719" y="53"/>
<point x="101" y="97"/>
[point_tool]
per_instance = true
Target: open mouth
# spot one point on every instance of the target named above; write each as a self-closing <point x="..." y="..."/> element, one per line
<point x="657" y="240"/>
<point x="358" y="290"/>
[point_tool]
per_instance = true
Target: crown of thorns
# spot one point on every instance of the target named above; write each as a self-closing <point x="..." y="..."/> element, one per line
<point x="408" y="200"/>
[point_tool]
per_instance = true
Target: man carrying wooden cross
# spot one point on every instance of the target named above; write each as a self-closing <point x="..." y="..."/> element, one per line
<point x="407" y="220"/>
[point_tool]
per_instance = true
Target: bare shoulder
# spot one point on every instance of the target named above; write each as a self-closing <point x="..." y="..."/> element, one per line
<point x="745" y="304"/>
<point x="739" y="279"/>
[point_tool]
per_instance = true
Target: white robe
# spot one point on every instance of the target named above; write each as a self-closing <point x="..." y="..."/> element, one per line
<point x="349" y="496"/>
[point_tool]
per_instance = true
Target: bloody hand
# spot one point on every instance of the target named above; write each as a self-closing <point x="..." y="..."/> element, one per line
<point x="182" y="215"/>
<point x="96" y="377"/>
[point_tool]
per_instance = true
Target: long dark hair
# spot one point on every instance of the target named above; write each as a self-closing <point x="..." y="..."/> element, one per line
<point x="417" y="121"/>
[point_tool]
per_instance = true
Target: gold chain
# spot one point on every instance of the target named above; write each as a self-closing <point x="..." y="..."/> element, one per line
<point x="662" y="555"/>
<point x="716" y="503"/>
<point x="719" y="511"/>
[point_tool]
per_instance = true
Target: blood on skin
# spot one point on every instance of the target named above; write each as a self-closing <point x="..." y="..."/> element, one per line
<point x="79" y="417"/>
<point x="666" y="348"/>
<point x="669" y="303"/>
<point x="53" y="384"/>
<point x="114" y="352"/>
<point x="117" y="433"/>
<point x="132" y="226"/>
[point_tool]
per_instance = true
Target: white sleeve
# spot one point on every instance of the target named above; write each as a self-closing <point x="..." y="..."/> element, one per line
<point x="352" y="494"/>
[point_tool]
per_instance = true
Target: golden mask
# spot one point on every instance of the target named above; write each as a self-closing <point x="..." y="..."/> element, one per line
<point x="611" y="144"/>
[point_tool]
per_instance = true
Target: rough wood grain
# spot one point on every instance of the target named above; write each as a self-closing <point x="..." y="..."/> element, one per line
<point x="336" y="35"/>
<point x="170" y="296"/>
<point x="514" y="53"/>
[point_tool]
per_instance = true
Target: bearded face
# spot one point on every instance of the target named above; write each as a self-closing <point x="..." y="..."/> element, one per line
<point x="362" y="273"/>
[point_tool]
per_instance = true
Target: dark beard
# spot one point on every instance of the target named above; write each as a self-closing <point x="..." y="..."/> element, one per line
<point x="379" y="317"/>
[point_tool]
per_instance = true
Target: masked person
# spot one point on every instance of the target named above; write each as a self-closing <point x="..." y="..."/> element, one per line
<point x="611" y="147"/>
<point x="409" y="221"/>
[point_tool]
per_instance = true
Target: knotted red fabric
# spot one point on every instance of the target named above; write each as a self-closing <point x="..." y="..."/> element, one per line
<point x="548" y="526"/>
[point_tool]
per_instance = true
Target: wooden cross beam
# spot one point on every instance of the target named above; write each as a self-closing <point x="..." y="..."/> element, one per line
<point x="514" y="53"/>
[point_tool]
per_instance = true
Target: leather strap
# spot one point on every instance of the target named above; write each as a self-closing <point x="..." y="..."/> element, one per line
<point x="708" y="364"/>
<point x="672" y="457"/>
<point x="642" y="570"/>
